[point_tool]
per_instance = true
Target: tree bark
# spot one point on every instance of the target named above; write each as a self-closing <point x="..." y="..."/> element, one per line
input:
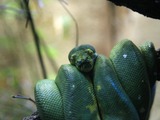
<point x="34" y="116"/>
<point x="149" y="8"/>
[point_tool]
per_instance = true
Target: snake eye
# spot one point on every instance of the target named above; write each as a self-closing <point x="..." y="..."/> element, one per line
<point x="89" y="51"/>
<point x="72" y="59"/>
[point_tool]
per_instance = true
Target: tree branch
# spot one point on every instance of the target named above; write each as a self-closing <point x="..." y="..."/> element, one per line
<point x="149" y="8"/>
<point x="36" y="37"/>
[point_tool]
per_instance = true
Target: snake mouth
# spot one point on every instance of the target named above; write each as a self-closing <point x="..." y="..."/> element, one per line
<point x="85" y="66"/>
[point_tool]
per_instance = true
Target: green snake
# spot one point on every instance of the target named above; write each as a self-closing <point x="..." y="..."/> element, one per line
<point x="94" y="87"/>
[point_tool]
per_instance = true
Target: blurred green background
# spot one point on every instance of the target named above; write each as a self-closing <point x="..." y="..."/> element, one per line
<point x="101" y="24"/>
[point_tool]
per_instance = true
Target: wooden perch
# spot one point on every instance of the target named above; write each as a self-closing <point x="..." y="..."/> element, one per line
<point x="149" y="8"/>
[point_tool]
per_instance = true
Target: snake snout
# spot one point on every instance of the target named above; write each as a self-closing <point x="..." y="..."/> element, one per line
<point x="84" y="65"/>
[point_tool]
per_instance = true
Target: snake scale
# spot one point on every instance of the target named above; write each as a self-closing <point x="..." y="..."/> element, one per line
<point x="93" y="87"/>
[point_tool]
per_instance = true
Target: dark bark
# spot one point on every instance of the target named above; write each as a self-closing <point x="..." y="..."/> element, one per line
<point x="149" y="8"/>
<point x="34" y="116"/>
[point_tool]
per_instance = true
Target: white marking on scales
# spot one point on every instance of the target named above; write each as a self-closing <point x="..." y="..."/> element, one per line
<point x="124" y="55"/>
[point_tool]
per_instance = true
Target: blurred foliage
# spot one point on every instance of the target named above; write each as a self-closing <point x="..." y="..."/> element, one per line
<point x="19" y="65"/>
<point x="66" y="26"/>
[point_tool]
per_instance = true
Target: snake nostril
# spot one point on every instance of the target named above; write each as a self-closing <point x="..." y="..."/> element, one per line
<point x="83" y="61"/>
<point x="79" y="62"/>
<point x="87" y="60"/>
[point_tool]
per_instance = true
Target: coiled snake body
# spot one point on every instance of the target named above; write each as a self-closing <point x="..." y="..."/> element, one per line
<point x="94" y="87"/>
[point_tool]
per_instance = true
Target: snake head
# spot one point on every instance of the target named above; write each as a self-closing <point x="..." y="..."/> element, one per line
<point x="83" y="57"/>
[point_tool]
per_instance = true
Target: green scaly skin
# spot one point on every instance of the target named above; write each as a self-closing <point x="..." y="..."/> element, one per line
<point x="77" y="92"/>
<point x="94" y="87"/>
<point x="114" y="103"/>
<point x="49" y="100"/>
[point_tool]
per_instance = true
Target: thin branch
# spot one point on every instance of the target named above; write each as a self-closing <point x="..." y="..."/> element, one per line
<point x="36" y="38"/>
<point x="24" y="97"/>
<point x="76" y="24"/>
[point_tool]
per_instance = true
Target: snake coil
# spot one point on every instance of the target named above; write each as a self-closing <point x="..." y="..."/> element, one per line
<point x="94" y="87"/>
